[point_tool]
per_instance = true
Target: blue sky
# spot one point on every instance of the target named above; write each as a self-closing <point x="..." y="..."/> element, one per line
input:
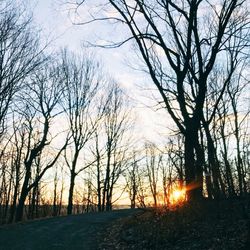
<point x="53" y="18"/>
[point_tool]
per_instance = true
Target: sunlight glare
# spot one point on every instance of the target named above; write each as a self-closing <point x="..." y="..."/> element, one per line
<point x="177" y="196"/>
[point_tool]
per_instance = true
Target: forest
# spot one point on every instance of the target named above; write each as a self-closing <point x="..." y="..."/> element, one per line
<point x="68" y="143"/>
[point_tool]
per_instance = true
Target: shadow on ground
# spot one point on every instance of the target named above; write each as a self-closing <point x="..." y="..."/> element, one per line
<point x="69" y="232"/>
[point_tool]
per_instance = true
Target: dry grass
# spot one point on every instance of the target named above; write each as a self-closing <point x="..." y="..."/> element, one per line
<point x="207" y="225"/>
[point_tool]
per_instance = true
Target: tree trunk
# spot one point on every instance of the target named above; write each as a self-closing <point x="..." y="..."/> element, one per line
<point x="106" y="181"/>
<point x="13" y="206"/>
<point x="71" y="193"/>
<point x="15" y="194"/>
<point x="55" y="201"/>
<point x="194" y="180"/>
<point x="23" y="196"/>
<point x="20" y="207"/>
<point x="212" y="163"/>
<point x="229" y="176"/>
<point x="99" y="194"/>
<point x="33" y="203"/>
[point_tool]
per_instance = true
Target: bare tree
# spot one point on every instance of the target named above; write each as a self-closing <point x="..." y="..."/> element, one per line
<point x="153" y="163"/>
<point x="81" y="79"/>
<point x="180" y="53"/>
<point x="18" y="143"/>
<point x="111" y="150"/>
<point x="132" y="180"/>
<point x="39" y="108"/>
<point x="19" y="54"/>
<point x="235" y="91"/>
<point x="224" y="140"/>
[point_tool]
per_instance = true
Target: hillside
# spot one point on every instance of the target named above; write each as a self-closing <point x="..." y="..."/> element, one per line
<point x="223" y="225"/>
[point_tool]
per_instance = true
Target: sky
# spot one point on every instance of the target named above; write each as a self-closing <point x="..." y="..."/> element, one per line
<point x="53" y="18"/>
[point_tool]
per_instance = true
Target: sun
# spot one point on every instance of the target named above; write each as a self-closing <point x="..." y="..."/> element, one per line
<point x="177" y="196"/>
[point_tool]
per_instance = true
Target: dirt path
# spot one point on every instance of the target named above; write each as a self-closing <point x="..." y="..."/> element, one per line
<point x="70" y="232"/>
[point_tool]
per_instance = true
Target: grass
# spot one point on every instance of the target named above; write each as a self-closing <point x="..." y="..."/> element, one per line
<point x="207" y="225"/>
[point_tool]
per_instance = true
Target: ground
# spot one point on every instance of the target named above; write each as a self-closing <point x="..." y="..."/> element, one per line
<point x="210" y="225"/>
<point x="69" y="232"/>
<point x="216" y="225"/>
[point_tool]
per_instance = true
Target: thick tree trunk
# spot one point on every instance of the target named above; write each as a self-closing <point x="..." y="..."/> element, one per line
<point x="20" y="207"/>
<point x="109" y="199"/>
<point x="23" y="196"/>
<point x="193" y="172"/>
<point x="15" y="194"/>
<point x="71" y="193"/>
<point x="72" y="180"/>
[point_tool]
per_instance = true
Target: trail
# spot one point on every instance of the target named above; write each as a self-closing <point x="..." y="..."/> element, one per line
<point x="68" y="232"/>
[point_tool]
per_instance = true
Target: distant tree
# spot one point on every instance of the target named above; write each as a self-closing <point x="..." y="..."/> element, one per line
<point x="235" y="92"/>
<point x="18" y="144"/>
<point x="80" y="77"/>
<point x="153" y="163"/>
<point x="132" y="180"/>
<point x="111" y="150"/>
<point x="173" y="166"/>
<point x="58" y="190"/>
<point x="223" y="140"/>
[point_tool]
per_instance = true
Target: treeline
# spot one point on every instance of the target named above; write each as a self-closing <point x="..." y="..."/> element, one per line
<point x="66" y="129"/>
<point x="59" y="116"/>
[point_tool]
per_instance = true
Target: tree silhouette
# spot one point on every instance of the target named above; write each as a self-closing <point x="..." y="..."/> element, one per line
<point x="181" y="42"/>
